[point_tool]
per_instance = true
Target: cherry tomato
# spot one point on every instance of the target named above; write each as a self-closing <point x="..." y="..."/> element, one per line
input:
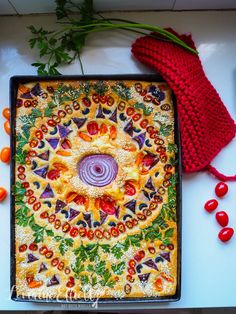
<point x="49" y="254"/>
<point x="137" y="116"/>
<point x="3" y="193"/>
<point x="74" y="232"/>
<point x="86" y="102"/>
<point x="61" y="266"/>
<point x="103" y="99"/>
<point x="107" y="204"/>
<point x="57" y="224"/>
<point x="34" y="143"/>
<point x="148" y="160"/>
<point x="33" y="246"/>
<point x="32" y="153"/>
<point x="31" y="200"/>
<point x="211" y="205"/>
<point x="22" y="248"/>
<point x="226" y="234"/>
<point x="129" y="278"/>
<point x="110" y="100"/>
<point x="5" y="155"/>
<point x="29" y="192"/>
<point x="137" y="257"/>
<point x="51" y="218"/>
<point x="95" y="98"/>
<point x="80" y="200"/>
<point x="7" y="127"/>
<point x="70" y="284"/>
<point x="141" y="253"/>
<point x="71" y="294"/>
<point x="21" y="169"/>
<point x="170" y="246"/>
<point x="92" y="128"/>
<point x="221" y="189"/>
<point x="222" y="218"/>
<point x="6" y="113"/>
<point x="114" y="232"/>
<point x="54" y="174"/>
<point x="106" y="234"/>
<point x="121" y="227"/>
<point x="129" y="189"/>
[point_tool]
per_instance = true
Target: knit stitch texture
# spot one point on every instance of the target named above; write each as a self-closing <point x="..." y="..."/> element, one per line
<point x="205" y="124"/>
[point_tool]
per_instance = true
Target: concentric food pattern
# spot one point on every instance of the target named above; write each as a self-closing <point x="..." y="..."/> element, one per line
<point x="95" y="190"/>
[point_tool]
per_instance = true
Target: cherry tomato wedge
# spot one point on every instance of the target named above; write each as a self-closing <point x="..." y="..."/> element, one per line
<point x="226" y="234"/>
<point x="92" y="128"/>
<point x="221" y="189"/>
<point x="129" y="189"/>
<point x="5" y="155"/>
<point x="107" y="204"/>
<point x="222" y="218"/>
<point x="6" y="113"/>
<point x="211" y="205"/>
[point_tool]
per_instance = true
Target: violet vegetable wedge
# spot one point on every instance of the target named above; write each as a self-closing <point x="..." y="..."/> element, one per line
<point x="144" y="277"/>
<point x="87" y="218"/>
<point x="73" y="213"/>
<point x="113" y="116"/>
<point x="150" y="263"/>
<point x="42" y="267"/>
<point x="129" y="128"/>
<point x="59" y="206"/>
<point x="149" y="185"/>
<point x="48" y="192"/>
<point x="44" y="155"/>
<point x="36" y="90"/>
<point x="140" y="139"/>
<point x="42" y="172"/>
<point x="100" y="113"/>
<point x="166" y="256"/>
<point x="131" y="205"/>
<point x="53" y="281"/>
<point x="79" y="122"/>
<point x="31" y="258"/>
<point x="103" y="217"/>
<point x="63" y="131"/>
<point x="53" y="142"/>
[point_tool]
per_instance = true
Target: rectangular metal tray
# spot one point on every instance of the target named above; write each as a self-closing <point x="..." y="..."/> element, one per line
<point x="14" y="83"/>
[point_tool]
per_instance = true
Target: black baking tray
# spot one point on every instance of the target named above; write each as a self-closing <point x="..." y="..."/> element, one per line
<point x="14" y="83"/>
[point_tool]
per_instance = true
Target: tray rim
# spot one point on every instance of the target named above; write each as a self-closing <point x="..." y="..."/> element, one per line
<point x="14" y="82"/>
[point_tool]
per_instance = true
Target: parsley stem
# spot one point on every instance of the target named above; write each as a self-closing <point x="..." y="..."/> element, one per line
<point x="81" y="64"/>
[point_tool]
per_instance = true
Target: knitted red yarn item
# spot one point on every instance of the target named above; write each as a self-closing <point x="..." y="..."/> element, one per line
<point x="205" y="124"/>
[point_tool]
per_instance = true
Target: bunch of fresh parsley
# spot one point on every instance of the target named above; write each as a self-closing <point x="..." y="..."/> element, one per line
<point x="63" y="46"/>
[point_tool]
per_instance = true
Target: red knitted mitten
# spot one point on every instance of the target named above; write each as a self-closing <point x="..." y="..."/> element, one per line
<point x="205" y="124"/>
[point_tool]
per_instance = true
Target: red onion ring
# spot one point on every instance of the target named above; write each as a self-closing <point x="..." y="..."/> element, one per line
<point x="97" y="170"/>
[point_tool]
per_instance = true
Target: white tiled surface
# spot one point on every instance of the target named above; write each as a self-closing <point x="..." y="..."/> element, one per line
<point x="208" y="267"/>
<point x="47" y="6"/>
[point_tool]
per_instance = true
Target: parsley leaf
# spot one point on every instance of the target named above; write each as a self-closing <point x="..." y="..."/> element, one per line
<point x="119" y="268"/>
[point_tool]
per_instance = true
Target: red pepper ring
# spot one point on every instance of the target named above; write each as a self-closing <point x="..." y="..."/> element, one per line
<point x="43" y="250"/>
<point x="61" y="113"/>
<point x="121" y="227"/>
<point x="39" y="134"/>
<point x="37" y="206"/>
<point x="114" y="232"/>
<point x="82" y="232"/>
<point x="22" y="248"/>
<point x="55" y="261"/>
<point x="51" y="218"/>
<point x="66" y="227"/>
<point x="61" y="266"/>
<point x="31" y="200"/>
<point x="98" y="234"/>
<point x="56" y="118"/>
<point x="74" y="232"/>
<point x="57" y="224"/>
<point x="49" y="254"/>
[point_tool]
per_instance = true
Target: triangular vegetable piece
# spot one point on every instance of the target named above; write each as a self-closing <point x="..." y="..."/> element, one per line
<point x="53" y="281"/>
<point x="44" y="155"/>
<point x="103" y="217"/>
<point x="59" y="206"/>
<point x="87" y="218"/>
<point x="63" y="131"/>
<point x="149" y="185"/>
<point x="73" y="213"/>
<point x="131" y="205"/>
<point x="42" y="267"/>
<point x="129" y="128"/>
<point x="53" y="142"/>
<point x="144" y="277"/>
<point x="36" y="90"/>
<point x="79" y="122"/>
<point x="140" y="139"/>
<point x="31" y="258"/>
<point x="150" y="263"/>
<point x="166" y="256"/>
<point x="26" y="95"/>
<point x="42" y="172"/>
<point x="48" y="192"/>
<point x="113" y="116"/>
<point x="100" y="113"/>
